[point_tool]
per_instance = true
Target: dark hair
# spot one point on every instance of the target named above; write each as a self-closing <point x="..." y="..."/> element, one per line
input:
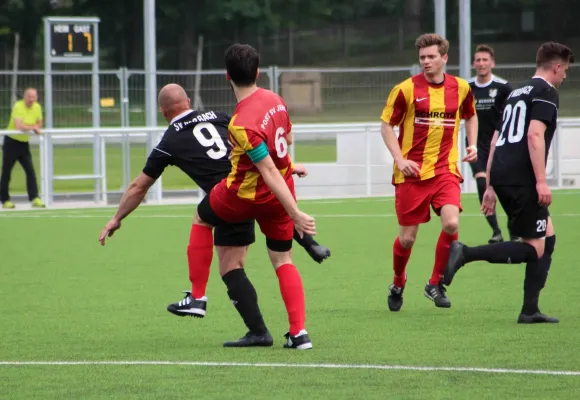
<point x="242" y="62"/>
<point x="553" y="51"/>
<point x="484" y="48"/>
<point x="432" y="39"/>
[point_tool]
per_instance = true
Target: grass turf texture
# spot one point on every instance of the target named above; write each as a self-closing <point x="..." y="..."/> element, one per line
<point x="63" y="297"/>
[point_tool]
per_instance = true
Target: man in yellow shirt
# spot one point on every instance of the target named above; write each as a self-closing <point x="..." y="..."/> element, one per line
<point x="26" y="116"/>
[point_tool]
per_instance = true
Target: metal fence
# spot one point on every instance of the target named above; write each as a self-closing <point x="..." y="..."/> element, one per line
<point x="313" y="95"/>
<point x="344" y="160"/>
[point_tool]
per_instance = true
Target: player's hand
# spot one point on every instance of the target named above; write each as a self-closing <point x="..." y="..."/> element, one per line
<point x="488" y="202"/>
<point x="109" y="230"/>
<point x="544" y="194"/>
<point x="36" y="130"/>
<point x="471" y="154"/>
<point x="408" y="167"/>
<point x="300" y="170"/>
<point x="304" y="223"/>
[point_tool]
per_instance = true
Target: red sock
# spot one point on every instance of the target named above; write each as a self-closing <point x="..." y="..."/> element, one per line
<point x="293" y="296"/>
<point x="400" y="259"/>
<point x="441" y="256"/>
<point x="199" y="256"/>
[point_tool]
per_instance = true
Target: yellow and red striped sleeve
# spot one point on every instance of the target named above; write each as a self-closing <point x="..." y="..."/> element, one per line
<point x="395" y="108"/>
<point x="467" y="108"/>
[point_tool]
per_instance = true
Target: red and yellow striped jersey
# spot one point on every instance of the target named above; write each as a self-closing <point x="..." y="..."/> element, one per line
<point x="260" y="123"/>
<point x="428" y="116"/>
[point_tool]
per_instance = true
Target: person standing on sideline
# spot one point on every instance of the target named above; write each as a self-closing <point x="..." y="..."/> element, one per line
<point x="26" y="116"/>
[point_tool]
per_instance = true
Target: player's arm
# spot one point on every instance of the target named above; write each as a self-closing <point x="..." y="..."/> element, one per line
<point x="490" y="158"/>
<point x="544" y="110"/>
<point x="256" y="149"/>
<point x="468" y="113"/>
<point x="537" y="149"/>
<point x="393" y="114"/>
<point x="133" y="196"/>
<point x="156" y="163"/>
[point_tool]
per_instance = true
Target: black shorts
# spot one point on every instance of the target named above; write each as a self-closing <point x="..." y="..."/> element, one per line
<point x="481" y="164"/>
<point x="526" y="218"/>
<point x="225" y="233"/>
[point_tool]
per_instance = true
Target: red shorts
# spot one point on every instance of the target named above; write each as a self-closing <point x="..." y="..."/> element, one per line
<point x="412" y="199"/>
<point x="274" y="221"/>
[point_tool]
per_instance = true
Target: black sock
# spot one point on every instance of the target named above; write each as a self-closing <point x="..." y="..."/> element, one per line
<point x="546" y="260"/>
<point x="536" y="276"/>
<point x="502" y="253"/>
<point x="245" y="299"/>
<point x="491" y="219"/>
<point x="305" y="241"/>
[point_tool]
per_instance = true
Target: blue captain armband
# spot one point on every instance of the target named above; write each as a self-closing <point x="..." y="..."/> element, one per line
<point x="257" y="154"/>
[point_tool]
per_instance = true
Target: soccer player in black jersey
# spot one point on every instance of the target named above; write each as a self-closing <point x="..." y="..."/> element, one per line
<point x="490" y="94"/>
<point x="517" y="176"/>
<point x="197" y="143"/>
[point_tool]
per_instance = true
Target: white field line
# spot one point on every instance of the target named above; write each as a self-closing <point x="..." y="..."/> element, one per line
<point x="297" y="365"/>
<point x="156" y="216"/>
<point x="82" y="207"/>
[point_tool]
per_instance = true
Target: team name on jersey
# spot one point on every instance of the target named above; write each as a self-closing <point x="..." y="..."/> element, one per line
<point x="270" y="113"/>
<point x="434" y="114"/>
<point x="520" y="91"/>
<point x="208" y="116"/>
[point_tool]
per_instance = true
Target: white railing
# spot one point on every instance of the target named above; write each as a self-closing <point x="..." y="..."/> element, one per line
<point x="363" y="166"/>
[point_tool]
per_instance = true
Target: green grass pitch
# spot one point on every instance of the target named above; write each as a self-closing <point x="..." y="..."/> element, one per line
<point x="63" y="297"/>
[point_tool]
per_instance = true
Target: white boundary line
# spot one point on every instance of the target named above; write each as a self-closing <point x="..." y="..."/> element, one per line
<point x="298" y="365"/>
<point x="153" y="216"/>
<point x="191" y="205"/>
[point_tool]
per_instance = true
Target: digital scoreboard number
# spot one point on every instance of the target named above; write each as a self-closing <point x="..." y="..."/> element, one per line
<point x="72" y="40"/>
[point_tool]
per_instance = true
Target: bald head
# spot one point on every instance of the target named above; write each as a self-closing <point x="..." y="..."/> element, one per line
<point x="172" y="101"/>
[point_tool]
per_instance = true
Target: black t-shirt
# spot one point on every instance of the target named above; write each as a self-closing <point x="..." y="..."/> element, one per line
<point x="536" y="99"/>
<point x="196" y="143"/>
<point x="490" y="100"/>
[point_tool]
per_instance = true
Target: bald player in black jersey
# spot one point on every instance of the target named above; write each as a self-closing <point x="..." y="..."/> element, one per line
<point x="490" y="92"/>
<point x="197" y="143"/>
<point x="517" y="176"/>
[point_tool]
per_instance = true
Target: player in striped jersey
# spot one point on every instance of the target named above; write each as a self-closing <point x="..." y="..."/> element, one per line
<point x="260" y="186"/>
<point x="427" y="108"/>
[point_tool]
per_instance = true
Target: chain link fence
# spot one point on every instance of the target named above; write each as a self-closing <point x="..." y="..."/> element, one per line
<point x="313" y="95"/>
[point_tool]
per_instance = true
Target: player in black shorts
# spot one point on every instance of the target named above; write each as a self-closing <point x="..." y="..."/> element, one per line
<point x="517" y="175"/>
<point x="197" y="143"/>
<point x="490" y="94"/>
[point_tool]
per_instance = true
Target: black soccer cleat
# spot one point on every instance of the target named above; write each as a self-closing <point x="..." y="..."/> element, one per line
<point x="189" y="307"/>
<point x="496" y="238"/>
<point x="516" y="239"/>
<point x="252" y="340"/>
<point x="436" y="293"/>
<point x="537" y="318"/>
<point x="455" y="261"/>
<point x="395" y="299"/>
<point x="318" y="253"/>
<point x="299" y="342"/>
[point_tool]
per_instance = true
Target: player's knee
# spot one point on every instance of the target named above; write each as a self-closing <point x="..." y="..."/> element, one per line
<point x="451" y="225"/>
<point x="407" y="239"/>
<point x="198" y="221"/>
<point x="539" y="245"/>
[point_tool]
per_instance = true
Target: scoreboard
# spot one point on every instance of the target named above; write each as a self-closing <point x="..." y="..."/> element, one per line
<point x="72" y="40"/>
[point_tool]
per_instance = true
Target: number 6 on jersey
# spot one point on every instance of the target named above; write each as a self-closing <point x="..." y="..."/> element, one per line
<point x="280" y="143"/>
